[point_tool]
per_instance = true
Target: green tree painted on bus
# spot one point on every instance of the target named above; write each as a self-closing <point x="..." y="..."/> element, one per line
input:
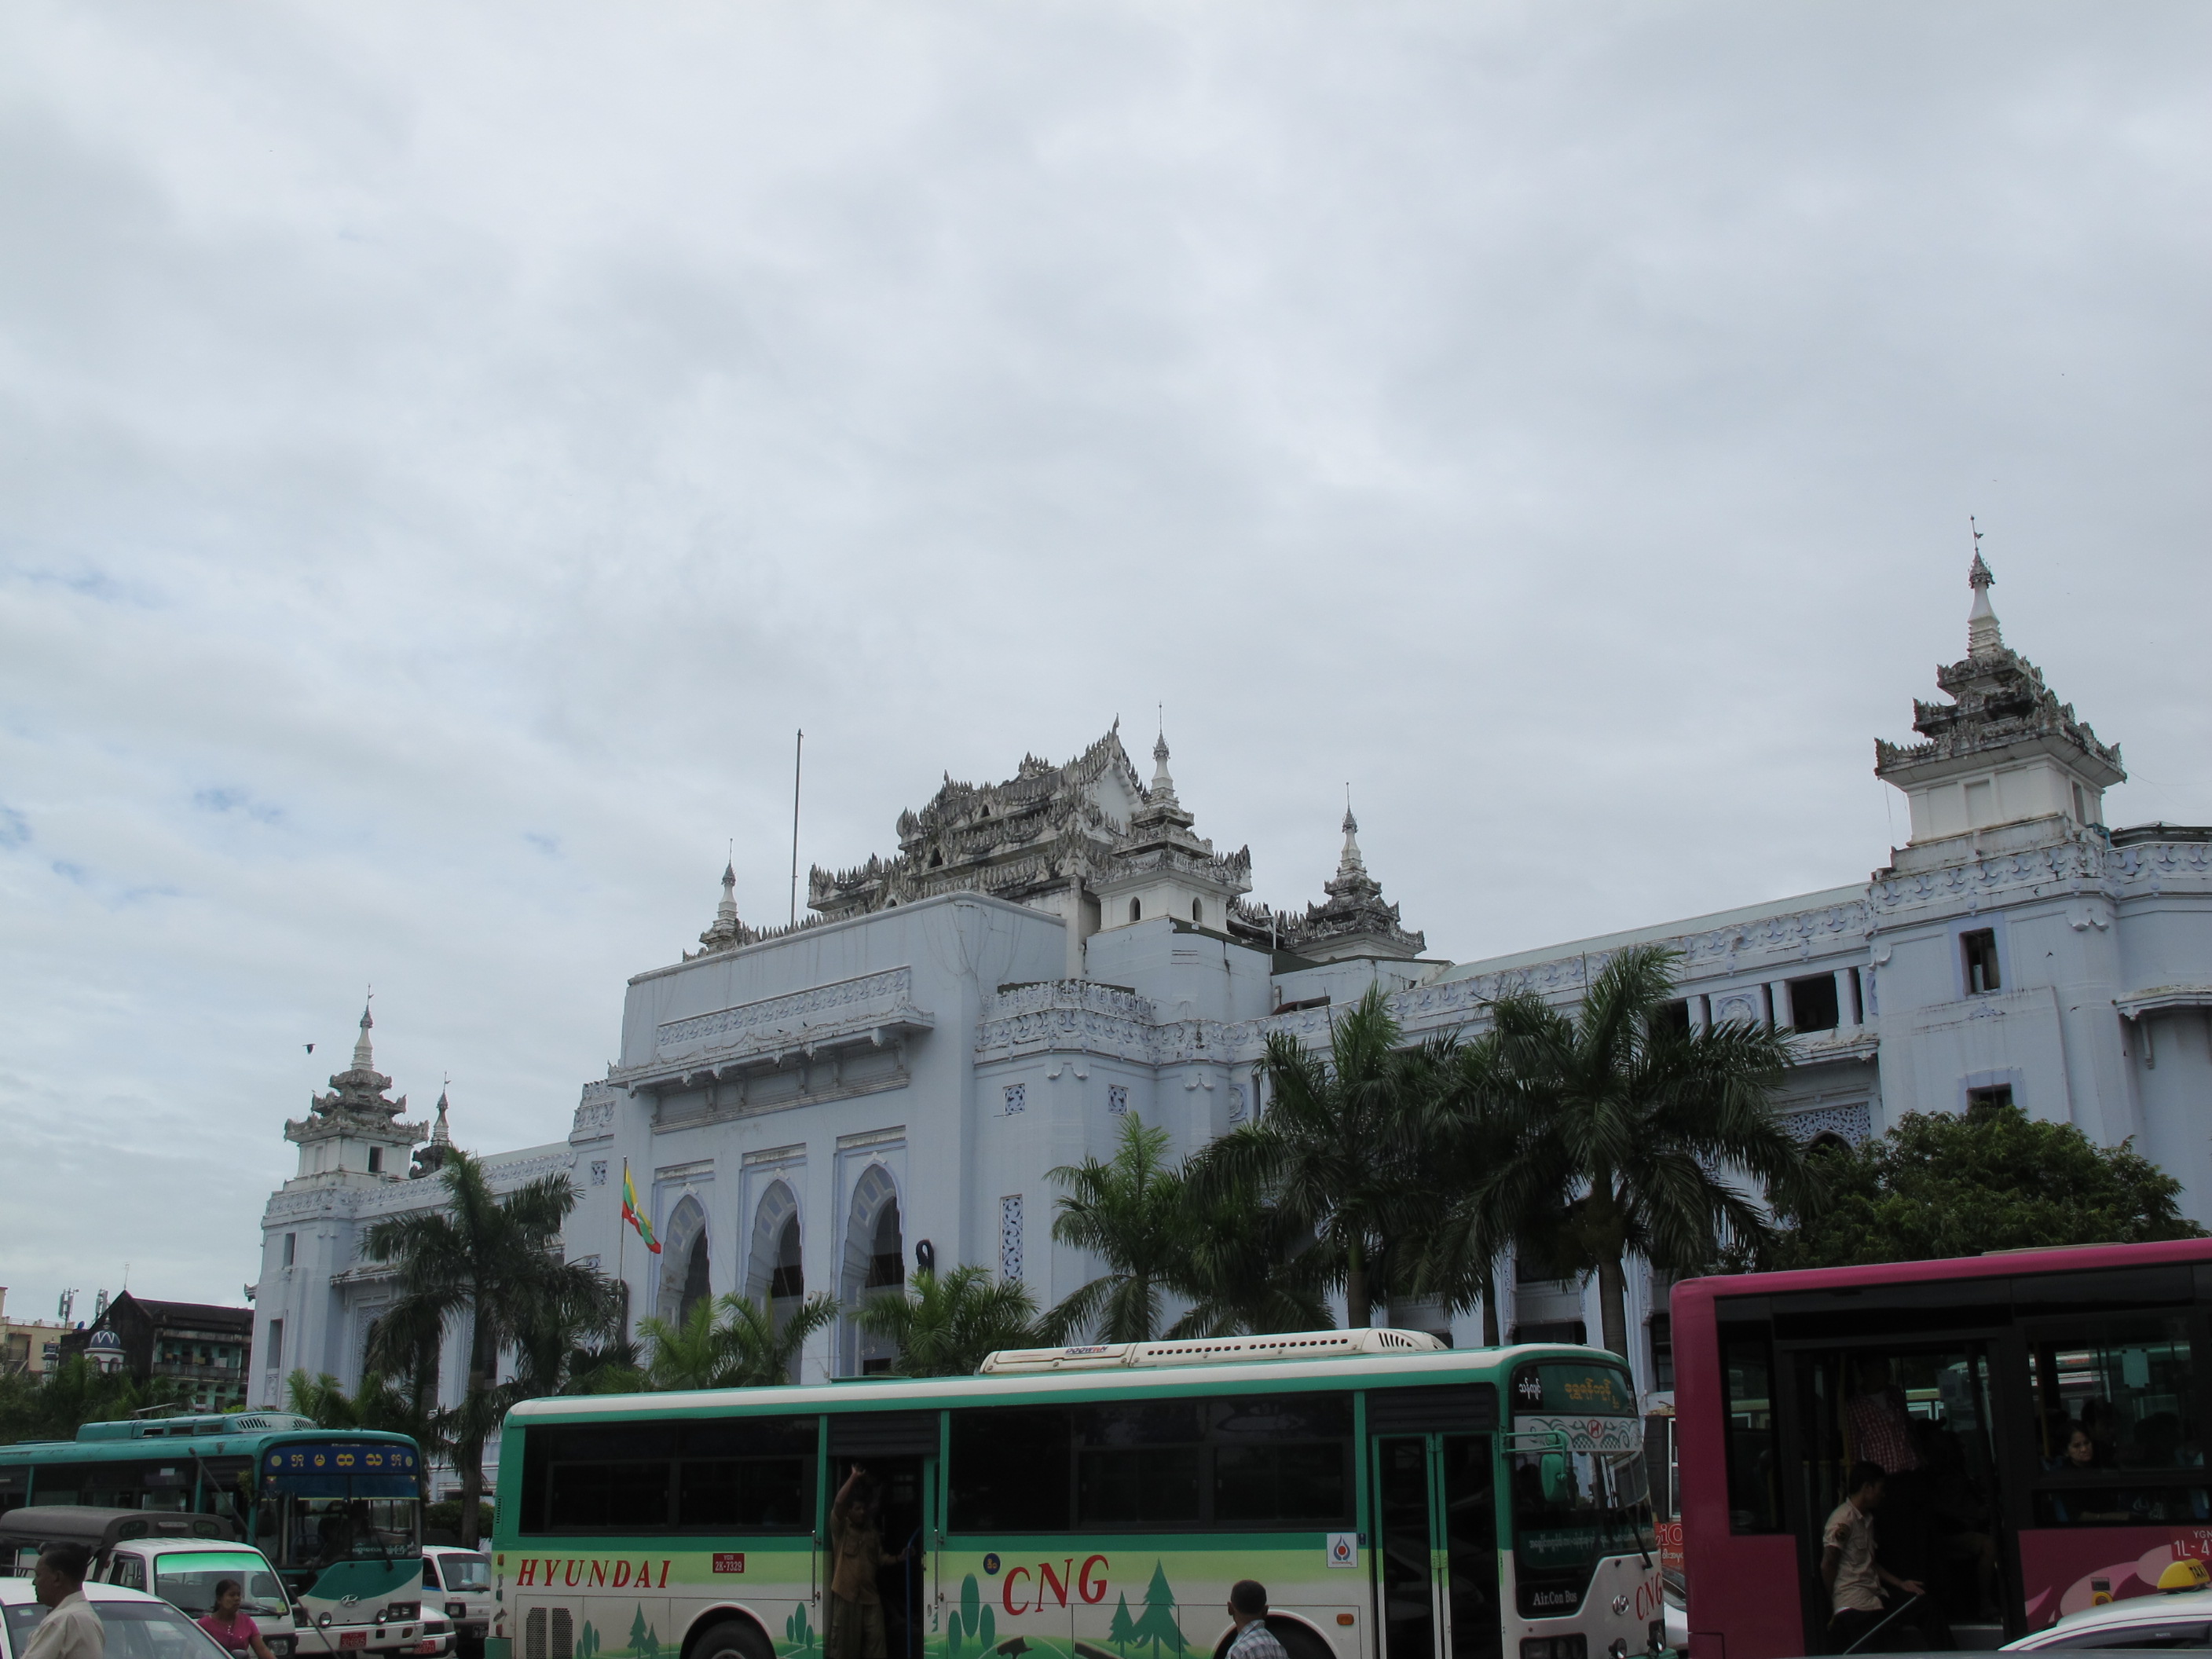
<point x="588" y="1641"/>
<point x="644" y="1640"/>
<point x="972" y="1621"/>
<point x="1158" y="1625"/>
<point x="798" y="1631"/>
<point x="1123" y="1631"/>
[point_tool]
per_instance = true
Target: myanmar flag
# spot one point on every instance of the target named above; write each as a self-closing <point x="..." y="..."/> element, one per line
<point x="635" y="1215"/>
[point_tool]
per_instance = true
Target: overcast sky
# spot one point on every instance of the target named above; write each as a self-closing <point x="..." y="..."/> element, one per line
<point x="444" y="451"/>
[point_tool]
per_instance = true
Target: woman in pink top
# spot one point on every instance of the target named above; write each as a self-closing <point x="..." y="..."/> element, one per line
<point x="236" y="1630"/>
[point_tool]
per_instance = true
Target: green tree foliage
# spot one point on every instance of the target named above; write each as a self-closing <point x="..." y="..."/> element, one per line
<point x="945" y="1325"/>
<point x="745" y="1348"/>
<point x="1994" y="1179"/>
<point x="1128" y="1210"/>
<point x="1609" y="1129"/>
<point x="1248" y="1266"/>
<point x="75" y="1393"/>
<point x="1345" y="1149"/>
<point x="639" y="1631"/>
<point x="1237" y="1254"/>
<point x="490" y="1265"/>
<point x="379" y="1403"/>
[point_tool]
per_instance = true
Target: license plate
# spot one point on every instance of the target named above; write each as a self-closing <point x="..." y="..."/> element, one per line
<point x="430" y="1646"/>
<point x="353" y="1638"/>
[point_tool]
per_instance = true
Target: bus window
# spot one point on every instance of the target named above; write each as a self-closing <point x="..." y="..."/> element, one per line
<point x="1754" y="1482"/>
<point x="747" y="1474"/>
<point x="1282" y="1459"/>
<point x="732" y="1474"/>
<point x="1009" y="1469"/>
<point x="2115" y="1423"/>
<point x="604" y="1477"/>
<point x="2127" y="1385"/>
<point x="1138" y="1462"/>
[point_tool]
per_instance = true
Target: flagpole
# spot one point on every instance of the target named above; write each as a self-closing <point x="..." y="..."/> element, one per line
<point x="622" y="1243"/>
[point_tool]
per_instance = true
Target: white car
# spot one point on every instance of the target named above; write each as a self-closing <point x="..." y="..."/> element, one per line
<point x="186" y="1570"/>
<point x="2170" y="1618"/>
<point x="457" y="1582"/>
<point x="138" y="1626"/>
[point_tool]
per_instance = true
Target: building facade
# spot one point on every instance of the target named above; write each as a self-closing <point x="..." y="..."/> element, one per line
<point x="205" y="1349"/>
<point x="815" y="1108"/>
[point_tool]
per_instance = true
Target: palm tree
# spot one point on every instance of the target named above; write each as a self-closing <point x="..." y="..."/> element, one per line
<point x="1342" y="1146"/>
<point x="1593" y="1134"/>
<point x="1127" y="1209"/>
<point x="747" y="1349"/>
<point x="945" y="1326"/>
<point x="1249" y="1267"/>
<point x="490" y="1264"/>
<point x="379" y="1403"/>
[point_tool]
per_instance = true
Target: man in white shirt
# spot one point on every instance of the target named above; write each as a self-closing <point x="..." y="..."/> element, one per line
<point x="1854" y="1577"/>
<point x="71" y="1630"/>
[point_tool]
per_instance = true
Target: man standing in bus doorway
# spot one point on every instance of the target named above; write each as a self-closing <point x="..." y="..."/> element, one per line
<point x="856" y="1551"/>
<point x="1247" y="1607"/>
<point x="1882" y="1433"/>
<point x="71" y="1630"/>
<point x="1849" y="1569"/>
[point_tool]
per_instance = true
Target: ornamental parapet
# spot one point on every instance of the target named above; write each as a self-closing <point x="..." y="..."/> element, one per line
<point x="874" y="1009"/>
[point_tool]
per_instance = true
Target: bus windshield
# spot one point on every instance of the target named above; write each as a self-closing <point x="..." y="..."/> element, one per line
<point x="319" y="1532"/>
<point x="1583" y="1502"/>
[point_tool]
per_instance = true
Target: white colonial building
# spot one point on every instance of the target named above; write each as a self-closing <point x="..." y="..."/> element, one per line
<point x="815" y="1108"/>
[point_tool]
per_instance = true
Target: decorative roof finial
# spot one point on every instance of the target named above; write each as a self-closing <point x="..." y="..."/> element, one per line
<point x="1982" y="639"/>
<point x="363" y="1058"/>
<point x="1162" y="789"/>
<point x="1351" y="862"/>
<point x="439" y="1134"/>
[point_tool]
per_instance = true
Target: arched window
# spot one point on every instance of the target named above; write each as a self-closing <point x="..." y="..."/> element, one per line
<point x="789" y="1277"/>
<point x="1198" y="912"/>
<point x="685" y="1264"/>
<point x="875" y="1266"/>
<point x="694" y="1291"/>
<point x="1136" y="910"/>
<point x="887" y="1254"/>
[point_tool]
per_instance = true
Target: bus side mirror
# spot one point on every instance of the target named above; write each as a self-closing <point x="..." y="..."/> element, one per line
<point x="1558" y="1486"/>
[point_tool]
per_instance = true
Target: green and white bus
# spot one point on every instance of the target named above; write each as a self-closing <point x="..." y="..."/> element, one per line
<point x="337" y="1511"/>
<point x="1400" y="1500"/>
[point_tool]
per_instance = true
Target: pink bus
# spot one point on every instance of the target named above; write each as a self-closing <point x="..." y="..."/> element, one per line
<point x="2042" y="1416"/>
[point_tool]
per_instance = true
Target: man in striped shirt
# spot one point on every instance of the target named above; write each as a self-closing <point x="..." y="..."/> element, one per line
<point x="1248" y="1606"/>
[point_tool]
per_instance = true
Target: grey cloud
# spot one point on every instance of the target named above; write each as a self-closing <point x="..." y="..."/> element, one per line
<point x="1559" y="424"/>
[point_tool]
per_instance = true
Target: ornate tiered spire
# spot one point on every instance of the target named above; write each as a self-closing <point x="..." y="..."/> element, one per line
<point x="1162" y="790"/>
<point x="726" y="933"/>
<point x="357" y="1104"/>
<point x="429" y="1159"/>
<point x="1999" y="705"/>
<point x="1353" y="921"/>
<point x="1350" y="862"/>
<point x="364" y="1058"/>
<point x="1983" y="641"/>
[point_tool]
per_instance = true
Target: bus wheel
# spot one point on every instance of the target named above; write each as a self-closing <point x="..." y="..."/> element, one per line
<point x="731" y="1638"/>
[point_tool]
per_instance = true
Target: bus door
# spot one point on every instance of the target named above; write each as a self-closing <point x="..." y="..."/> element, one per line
<point x="1923" y="1412"/>
<point x="897" y="1452"/>
<point x="1436" y="1546"/>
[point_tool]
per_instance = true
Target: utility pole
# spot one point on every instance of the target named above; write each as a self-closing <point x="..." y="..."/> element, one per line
<point x="798" y="758"/>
